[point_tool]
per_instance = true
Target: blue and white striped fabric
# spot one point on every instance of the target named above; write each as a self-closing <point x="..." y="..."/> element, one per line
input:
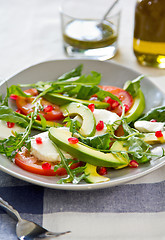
<point x="132" y="211"/>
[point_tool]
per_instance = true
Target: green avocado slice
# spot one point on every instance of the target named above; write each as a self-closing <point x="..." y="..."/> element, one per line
<point x="137" y="109"/>
<point x="150" y="138"/>
<point x="88" y="126"/>
<point x="84" y="153"/>
<point x="93" y="176"/>
<point x="61" y="100"/>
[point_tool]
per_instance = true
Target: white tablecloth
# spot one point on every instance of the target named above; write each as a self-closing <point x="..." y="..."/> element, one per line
<point x="29" y="34"/>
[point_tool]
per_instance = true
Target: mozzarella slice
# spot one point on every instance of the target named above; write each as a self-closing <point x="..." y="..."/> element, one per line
<point x="107" y="117"/>
<point x="46" y="150"/>
<point x="146" y="126"/>
<point x="6" y="132"/>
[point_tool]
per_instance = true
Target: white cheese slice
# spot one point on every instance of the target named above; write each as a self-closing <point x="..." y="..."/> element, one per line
<point x="146" y="126"/>
<point x="46" y="150"/>
<point x="6" y="132"/>
<point x="107" y="117"/>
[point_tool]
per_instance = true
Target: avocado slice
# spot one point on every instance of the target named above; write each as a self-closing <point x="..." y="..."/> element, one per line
<point x="118" y="146"/>
<point x="88" y="126"/>
<point x="84" y="153"/>
<point x="137" y="109"/>
<point x="91" y="170"/>
<point x="92" y="175"/>
<point x="48" y="123"/>
<point x="60" y="99"/>
<point x="150" y="138"/>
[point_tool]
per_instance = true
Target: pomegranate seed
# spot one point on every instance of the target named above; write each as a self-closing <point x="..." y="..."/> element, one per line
<point x="113" y="103"/>
<point x="158" y="134"/>
<point x="102" y="171"/>
<point x="108" y="100"/>
<point x="100" y="126"/>
<point x="38" y="140"/>
<point x="46" y="166"/>
<point x="133" y="164"/>
<point x="153" y="120"/>
<point x="126" y="107"/>
<point x="48" y="108"/>
<point x="13" y="96"/>
<point x="91" y="106"/>
<point x="73" y="140"/>
<point x="10" y="124"/>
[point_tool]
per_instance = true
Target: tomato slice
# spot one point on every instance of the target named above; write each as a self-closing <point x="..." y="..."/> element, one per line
<point x="123" y="95"/>
<point x="32" y="91"/>
<point x="28" y="162"/>
<point x="25" y="106"/>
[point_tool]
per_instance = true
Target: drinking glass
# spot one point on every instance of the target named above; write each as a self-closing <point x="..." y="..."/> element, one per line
<point x="85" y="33"/>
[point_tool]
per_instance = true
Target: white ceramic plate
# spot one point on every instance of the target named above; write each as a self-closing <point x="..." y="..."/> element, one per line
<point x="112" y="74"/>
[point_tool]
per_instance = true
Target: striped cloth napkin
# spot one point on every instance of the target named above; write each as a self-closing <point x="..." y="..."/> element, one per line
<point x="134" y="211"/>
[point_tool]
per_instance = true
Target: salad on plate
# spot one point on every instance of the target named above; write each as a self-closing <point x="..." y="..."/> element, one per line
<point x="77" y="129"/>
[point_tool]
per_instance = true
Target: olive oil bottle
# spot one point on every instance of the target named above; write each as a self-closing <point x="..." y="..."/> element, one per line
<point x="149" y="33"/>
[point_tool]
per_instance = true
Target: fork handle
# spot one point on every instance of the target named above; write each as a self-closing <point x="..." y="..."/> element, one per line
<point x="10" y="210"/>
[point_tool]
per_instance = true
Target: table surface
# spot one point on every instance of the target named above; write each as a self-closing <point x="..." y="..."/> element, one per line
<point x="30" y="34"/>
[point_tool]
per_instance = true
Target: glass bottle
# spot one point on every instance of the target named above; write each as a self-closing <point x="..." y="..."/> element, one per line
<point x="149" y="33"/>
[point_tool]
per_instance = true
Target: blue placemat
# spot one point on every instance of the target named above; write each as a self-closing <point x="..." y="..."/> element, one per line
<point x="130" y="211"/>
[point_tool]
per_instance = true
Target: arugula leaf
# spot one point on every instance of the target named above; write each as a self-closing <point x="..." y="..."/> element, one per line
<point x="4" y="102"/>
<point x="93" y="79"/>
<point x="10" y="146"/>
<point x="37" y="85"/>
<point x="73" y="125"/>
<point x="74" y="175"/>
<point x="58" y="86"/>
<point x="85" y="92"/>
<point x="43" y="121"/>
<point x="73" y="73"/>
<point x="138" y="148"/>
<point x="136" y="145"/>
<point x="7" y="114"/>
<point x="101" y="142"/>
<point x="13" y="89"/>
<point x="157" y="113"/>
<point x="101" y="94"/>
<point x="133" y="86"/>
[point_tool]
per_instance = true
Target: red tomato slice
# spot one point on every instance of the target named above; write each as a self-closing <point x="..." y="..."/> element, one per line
<point x="31" y="91"/>
<point x="25" y="106"/>
<point x="31" y="164"/>
<point x="123" y="95"/>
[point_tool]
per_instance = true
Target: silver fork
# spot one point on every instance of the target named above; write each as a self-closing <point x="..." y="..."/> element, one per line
<point x="27" y="230"/>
